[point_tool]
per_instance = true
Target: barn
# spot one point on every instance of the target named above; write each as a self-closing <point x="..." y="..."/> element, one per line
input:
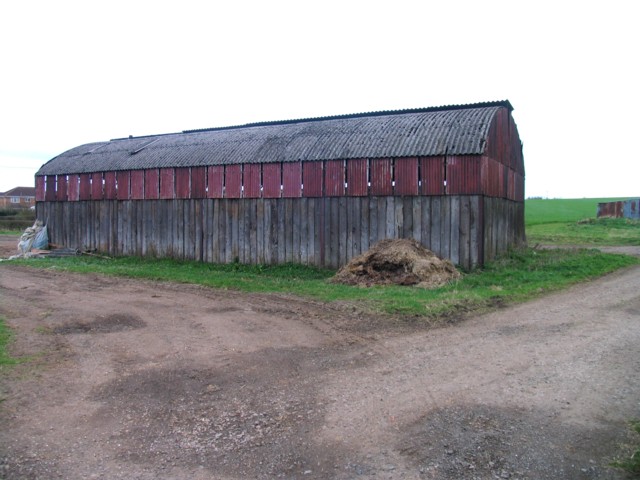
<point x="315" y="191"/>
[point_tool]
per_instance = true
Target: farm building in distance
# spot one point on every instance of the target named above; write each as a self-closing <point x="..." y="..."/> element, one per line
<point x="622" y="209"/>
<point x="315" y="191"/>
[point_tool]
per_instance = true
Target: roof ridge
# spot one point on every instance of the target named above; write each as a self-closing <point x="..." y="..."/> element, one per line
<point x="378" y="113"/>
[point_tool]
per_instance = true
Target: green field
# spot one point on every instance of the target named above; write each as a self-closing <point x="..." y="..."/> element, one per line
<point x="573" y="222"/>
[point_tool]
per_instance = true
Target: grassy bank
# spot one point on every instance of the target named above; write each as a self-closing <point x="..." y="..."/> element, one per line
<point x="517" y="277"/>
<point x="573" y="222"/>
<point x="5" y="339"/>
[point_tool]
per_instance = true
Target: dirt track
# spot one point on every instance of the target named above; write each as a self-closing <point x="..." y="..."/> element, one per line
<point x="144" y="380"/>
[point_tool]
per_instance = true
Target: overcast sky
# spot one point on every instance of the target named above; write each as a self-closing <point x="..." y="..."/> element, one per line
<point x="74" y="72"/>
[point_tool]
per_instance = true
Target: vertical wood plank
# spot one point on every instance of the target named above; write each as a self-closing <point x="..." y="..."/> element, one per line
<point x="454" y="253"/>
<point x="334" y="221"/>
<point x="425" y="214"/>
<point x="436" y="227"/>
<point x="391" y="218"/>
<point x="281" y="232"/>
<point x="289" y="231"/>
<point x="465" y="234"/>
<point x="312" y="245"/>
<point x="445" y="218"/>
<point x="261" y="231"/>
<point x="364" y="224"/>
<point x="407" y="213"/>
<point x="416" y="217"/>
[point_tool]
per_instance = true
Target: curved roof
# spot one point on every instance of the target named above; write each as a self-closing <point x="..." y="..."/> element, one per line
<point x="453" y="130"/>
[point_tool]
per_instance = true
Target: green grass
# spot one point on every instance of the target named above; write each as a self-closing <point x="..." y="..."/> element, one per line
<point x="631" y="464"/>
<point x="517" y="277"/>
<point x="5" y="338"/>
<point x="562" y="210"/>
<point x="573" y="222"/>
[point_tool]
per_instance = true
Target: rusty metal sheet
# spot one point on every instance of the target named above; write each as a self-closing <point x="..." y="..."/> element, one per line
<point x="381" y="176"/>
<point x="85" y="186"/>
<point x="271" y="180"/>
<point x="110" y="185"/>
<point x="40" y="188"/>
<point x="199" y="182"/>
<point x="167" y="183"/>
<point x="61" y="188"/>
<point x="215" y="181"/>
<point x="233" y="181"/>
<point x="251" y="180"/>
<point x="123" y="178"/>
<point x="97" y="186"/>
<point x="463" y="174"/>
<point x="357" y="177"/>
<point x="312" y="179"/>
<point x="406" y="176"/>
<point x="73" y="187"/>
<point x="432" y="175"/>
<point x="292" y="180"/>
<point x="183" y="180"/>
<point x="334" y="178"/>
<point x="151" y="184"/>
<point x="50" y="189"/>
<point x="137" y="184"/>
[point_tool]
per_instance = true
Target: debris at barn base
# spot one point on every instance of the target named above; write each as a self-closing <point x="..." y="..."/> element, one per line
<point x="34" y="237"/>
<point x="397" y="262"/>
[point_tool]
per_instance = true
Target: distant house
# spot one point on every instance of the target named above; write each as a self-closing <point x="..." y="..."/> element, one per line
<point x="18" y="197"/>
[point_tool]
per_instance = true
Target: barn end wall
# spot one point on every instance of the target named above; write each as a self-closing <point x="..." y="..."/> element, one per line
<point x="324" y="231"/>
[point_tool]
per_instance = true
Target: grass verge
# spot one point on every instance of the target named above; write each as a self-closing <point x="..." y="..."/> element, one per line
<point x="5" y="339"/>
<point x="517" y="277"/>
<point x="632" y="464"/>
<point x="601" y="231"/>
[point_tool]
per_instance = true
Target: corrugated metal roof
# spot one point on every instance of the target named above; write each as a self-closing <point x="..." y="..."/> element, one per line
<point x="453" y="130"/>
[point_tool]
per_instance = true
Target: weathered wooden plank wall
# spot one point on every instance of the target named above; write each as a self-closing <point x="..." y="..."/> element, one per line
<point x="323" y="231"/>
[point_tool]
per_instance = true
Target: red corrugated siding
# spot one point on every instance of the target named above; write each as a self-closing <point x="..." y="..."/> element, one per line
<point x="73" y="188"/>
<point x="406" y="176"/>
<point x="50" y="193"/>
<point x="233" y="181"/>
<point x="464" y="175"/>
<point x="381" y="176"/>
<point x="137" y="184"/>
<point x="40" y="188"/>
<point x="432" y="175"/>
<point x="292" y="179"/>
<point x="110" y="186"/>
<point x="215" y="176"/>
<point x="85" y="186"/>
<point x="124" y="180"/>
<point x="271" y="180"/>
<point x="97" y="188"/>
<point x="252" y="180"/>
<point x="312" y="179"/>
<point x="151" y="184"/>
<point x="357" y="177"/>
<point x="61" y="188"/>
<point x="167" y="183"/>
<point x="198" y="182"/>
<point x="183" y="187"/>
<point x="334" y="178"/>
